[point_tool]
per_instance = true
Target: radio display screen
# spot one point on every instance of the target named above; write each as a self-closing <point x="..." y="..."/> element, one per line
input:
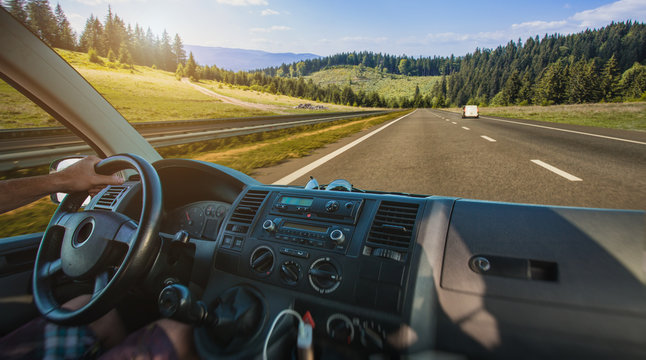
<point x="289" y="200"/>
<point x="305" y="227"/>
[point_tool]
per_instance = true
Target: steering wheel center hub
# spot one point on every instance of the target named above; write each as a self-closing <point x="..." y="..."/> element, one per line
<point x="83" y="232"/>
<point x="86" y="247"/>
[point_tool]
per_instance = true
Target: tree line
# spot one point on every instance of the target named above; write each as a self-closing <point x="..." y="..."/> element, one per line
<point x="607" y="64"/>
<point x="294" y="87"/>
<point x="401" y="65"/>
<point x="112" y="38"/>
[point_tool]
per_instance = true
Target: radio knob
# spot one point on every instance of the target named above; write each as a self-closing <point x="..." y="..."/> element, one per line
<point x="337" y="236"/>
<point x="269" y="226"/>
<point x="332" y="206"/>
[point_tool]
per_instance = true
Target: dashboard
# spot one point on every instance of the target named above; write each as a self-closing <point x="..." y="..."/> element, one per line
<point x="201" y="220"/>
<point x="389" y="275"/>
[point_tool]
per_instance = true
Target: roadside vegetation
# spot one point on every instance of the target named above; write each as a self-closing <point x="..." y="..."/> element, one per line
<point x="243" y="153"/>
<point x="287" y="103"/>
<point x="627" y="116"/>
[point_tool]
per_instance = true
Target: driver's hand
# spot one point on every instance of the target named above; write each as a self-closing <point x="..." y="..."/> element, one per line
<point x="82" y="177"/>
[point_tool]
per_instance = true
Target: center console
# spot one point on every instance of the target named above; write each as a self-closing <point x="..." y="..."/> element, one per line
<point x="343" y="258"/>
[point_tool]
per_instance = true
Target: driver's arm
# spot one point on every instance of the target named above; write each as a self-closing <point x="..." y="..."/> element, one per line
<point x="79" y="177"/>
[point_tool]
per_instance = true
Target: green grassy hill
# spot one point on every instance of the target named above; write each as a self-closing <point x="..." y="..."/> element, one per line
<point x="369" y="80"/>
<point x="145" y="94"/>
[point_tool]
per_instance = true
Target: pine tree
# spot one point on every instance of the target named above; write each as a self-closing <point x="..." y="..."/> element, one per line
<point x="41" y="20"/>
<point x="511" y="89"/>
<point x="92" y="36"/>
<point x="167" y="57"/>
<point x="178" y="50"/>
<point x="633" y="81"/>
<point x="65" y="37"/>
<point x="17" y="8"/>
<point x="610" y="78"/>
<point x="124" y="55"/>
<point x="189" y="70"/>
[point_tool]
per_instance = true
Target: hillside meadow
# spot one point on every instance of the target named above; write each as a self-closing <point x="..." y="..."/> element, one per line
<point x="141" y="94"/>
<point x="369" y="79"/>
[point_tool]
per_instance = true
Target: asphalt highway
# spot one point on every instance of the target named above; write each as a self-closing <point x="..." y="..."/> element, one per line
<point x="438" y="153"/>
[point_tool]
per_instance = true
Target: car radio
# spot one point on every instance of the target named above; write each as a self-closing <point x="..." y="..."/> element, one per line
<point x="341" y="210"/>
<point x="326" y="236"/>
<point x="323" y="222"/>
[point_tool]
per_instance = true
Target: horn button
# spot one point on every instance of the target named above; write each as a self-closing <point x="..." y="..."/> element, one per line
<point x="86" y="244"/>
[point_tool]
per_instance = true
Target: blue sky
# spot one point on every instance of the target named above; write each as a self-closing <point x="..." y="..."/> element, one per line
<point x="327" y="27"/>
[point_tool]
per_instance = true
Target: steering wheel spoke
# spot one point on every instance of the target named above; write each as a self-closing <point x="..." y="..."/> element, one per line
<point x="127" y="234"/>
<point x="51" y="269"/>
<point x="100" y="283"/>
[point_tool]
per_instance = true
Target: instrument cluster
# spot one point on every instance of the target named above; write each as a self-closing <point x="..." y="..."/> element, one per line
<point x="199" y="219"/>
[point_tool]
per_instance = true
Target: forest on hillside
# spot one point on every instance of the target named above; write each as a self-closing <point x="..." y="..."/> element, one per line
<point x="595" y="65"/>
<point x="112" y="38"/>
<point x="606" y="64"/>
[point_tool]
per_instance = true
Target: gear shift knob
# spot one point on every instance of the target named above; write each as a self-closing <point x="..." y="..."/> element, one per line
<point x="176" y="302"/>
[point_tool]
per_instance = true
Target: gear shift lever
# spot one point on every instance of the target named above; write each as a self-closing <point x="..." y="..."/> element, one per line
<point x="176" y="302"/>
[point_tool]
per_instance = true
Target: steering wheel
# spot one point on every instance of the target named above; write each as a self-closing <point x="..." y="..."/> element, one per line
<point x="104" y="246"/>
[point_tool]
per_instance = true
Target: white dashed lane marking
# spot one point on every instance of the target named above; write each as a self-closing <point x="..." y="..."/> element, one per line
<point x="556" y="170"/>
<point x="465" y="128"/>
<point x="488" y="138"/>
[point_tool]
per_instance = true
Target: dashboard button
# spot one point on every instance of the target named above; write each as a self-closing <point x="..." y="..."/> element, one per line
<point x="227" y="241"/>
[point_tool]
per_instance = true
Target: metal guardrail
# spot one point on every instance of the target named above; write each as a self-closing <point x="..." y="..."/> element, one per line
<point x="32" y="158"/>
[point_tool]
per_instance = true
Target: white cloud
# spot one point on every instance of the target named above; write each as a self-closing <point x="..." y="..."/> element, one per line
<point x="268" y="12"/>
<point x="481" y="36"/>
<point x="364" y="39"/>
<point x="539" y="25"/>
<point x="270" y="29"/>
<point x="617" y="11"/>
<point x="243" y="2"/>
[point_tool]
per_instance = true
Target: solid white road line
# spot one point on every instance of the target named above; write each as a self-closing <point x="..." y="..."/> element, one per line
<point x="488" y="138"/>
<point x="569" y="131"/>
<point x="465" y="128"/>
<point x="557" y="171"/>
<point x="307" y="168"/>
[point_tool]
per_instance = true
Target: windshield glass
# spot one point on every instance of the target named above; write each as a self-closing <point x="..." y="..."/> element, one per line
<point x="544" y="105"/>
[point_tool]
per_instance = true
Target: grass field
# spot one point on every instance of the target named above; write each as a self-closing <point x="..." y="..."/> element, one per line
<point x="628" y="116"/>
<point x="369" y="80"/>
<point x="245" y="153"/>
<point x="140" y="94"/>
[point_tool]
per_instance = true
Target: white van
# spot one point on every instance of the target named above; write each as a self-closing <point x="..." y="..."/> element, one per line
<point x="470" y="111"/>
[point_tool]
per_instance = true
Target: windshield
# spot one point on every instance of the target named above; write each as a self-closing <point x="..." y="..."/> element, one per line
<point x="545" y="105"/>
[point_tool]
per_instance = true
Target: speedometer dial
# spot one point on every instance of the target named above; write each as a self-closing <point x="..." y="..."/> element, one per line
<point x="192" y="220"/>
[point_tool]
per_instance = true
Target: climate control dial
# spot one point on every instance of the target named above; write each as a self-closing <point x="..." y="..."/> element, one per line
<point x="262" y="261"/>
<point x="324" y="276"/>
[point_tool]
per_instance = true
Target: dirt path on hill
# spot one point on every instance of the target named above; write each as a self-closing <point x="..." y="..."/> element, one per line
<point x="234" y="101"/>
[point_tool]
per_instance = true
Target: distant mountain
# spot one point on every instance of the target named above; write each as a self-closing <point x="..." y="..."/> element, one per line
<point x="241" y="59"/>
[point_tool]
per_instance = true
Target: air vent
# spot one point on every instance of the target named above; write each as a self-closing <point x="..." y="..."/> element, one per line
<point x="247" y="209"/>
<point x="393" y="225"/>
<point x="110" y="197"/>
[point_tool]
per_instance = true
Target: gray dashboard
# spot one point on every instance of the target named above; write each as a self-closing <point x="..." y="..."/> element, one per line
<point x="390" y="275"/>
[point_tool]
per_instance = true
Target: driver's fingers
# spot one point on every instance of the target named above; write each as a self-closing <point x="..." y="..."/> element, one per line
<point x="108" y="179"/>
<point x="95" y="190"/>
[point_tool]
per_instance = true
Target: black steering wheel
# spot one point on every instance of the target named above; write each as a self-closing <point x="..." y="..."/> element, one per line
<point x="104" y="246"/>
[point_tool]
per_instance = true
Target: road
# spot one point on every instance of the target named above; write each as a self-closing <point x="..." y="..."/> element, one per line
<point x="438" y="153"/>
